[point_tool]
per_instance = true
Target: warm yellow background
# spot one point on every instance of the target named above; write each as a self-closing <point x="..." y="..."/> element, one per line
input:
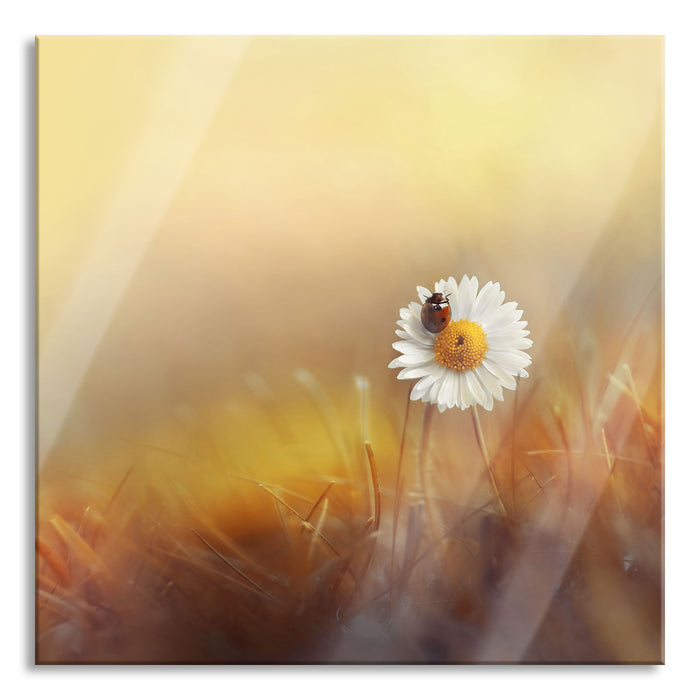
<point x="216" y="214"/>
<point x="211" y="207"/>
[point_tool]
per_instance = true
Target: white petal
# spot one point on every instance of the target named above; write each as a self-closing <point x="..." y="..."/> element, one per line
<point x="475" y="387"/>
<point x="515" y="325"/>
<point x="412" y="351"/>
<point x="522" y="343"/>
<point x="415" y="328"/>
<point x="487" y="396"/>
<point x="505" y="378"/>
<point x="509" y="359"/>
<point x="421" y="387"/>
<point x="466" y="297"/>
<point x="465" y="394"/>
<point x="455" y="389"/>
<point x="423" y="293"/>
<point x="489" y="299"/>
<point x="408" y="347"/>
<point x="450" y="289"/>
<point x="505" y="335"/>
<point x="435" y="388"/>
<point x="446" y="394"/>
<point x="488" y="401"/>
<point x="417" y="393"/>
<point x="408" y="361"/>
<point x="490" y="383"/>
<point x="413" y="372"/>
<point x="484" y="293"/>
<point x="502" y="316"/>
<point x="504" y="344"/>
<point x="413" y="309"/>
<point x="426" y="344"/>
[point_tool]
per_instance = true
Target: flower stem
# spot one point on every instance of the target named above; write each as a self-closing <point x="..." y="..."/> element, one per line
<point x="423" y="471"/>
<point x="399" y="484"/>
<point x="487" y="460"/>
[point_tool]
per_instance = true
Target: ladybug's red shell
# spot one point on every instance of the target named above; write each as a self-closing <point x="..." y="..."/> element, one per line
<point x="436" y="313"/>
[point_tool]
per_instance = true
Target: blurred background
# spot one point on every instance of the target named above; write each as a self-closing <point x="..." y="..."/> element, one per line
<point x="216" y="214"/>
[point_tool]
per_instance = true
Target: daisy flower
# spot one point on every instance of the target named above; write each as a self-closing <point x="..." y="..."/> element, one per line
<point x="479" y="351"/>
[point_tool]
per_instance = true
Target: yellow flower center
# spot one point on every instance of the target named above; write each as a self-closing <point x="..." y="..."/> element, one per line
<point x="461" y="346"/>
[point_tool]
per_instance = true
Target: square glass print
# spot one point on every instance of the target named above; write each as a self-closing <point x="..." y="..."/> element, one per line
<point x="350" y="350"/>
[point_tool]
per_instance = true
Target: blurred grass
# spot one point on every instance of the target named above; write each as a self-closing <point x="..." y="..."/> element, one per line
<point x="246" y="534"/>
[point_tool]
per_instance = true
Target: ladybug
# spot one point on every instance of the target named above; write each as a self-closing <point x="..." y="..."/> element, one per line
<point x="436" y="312"/>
